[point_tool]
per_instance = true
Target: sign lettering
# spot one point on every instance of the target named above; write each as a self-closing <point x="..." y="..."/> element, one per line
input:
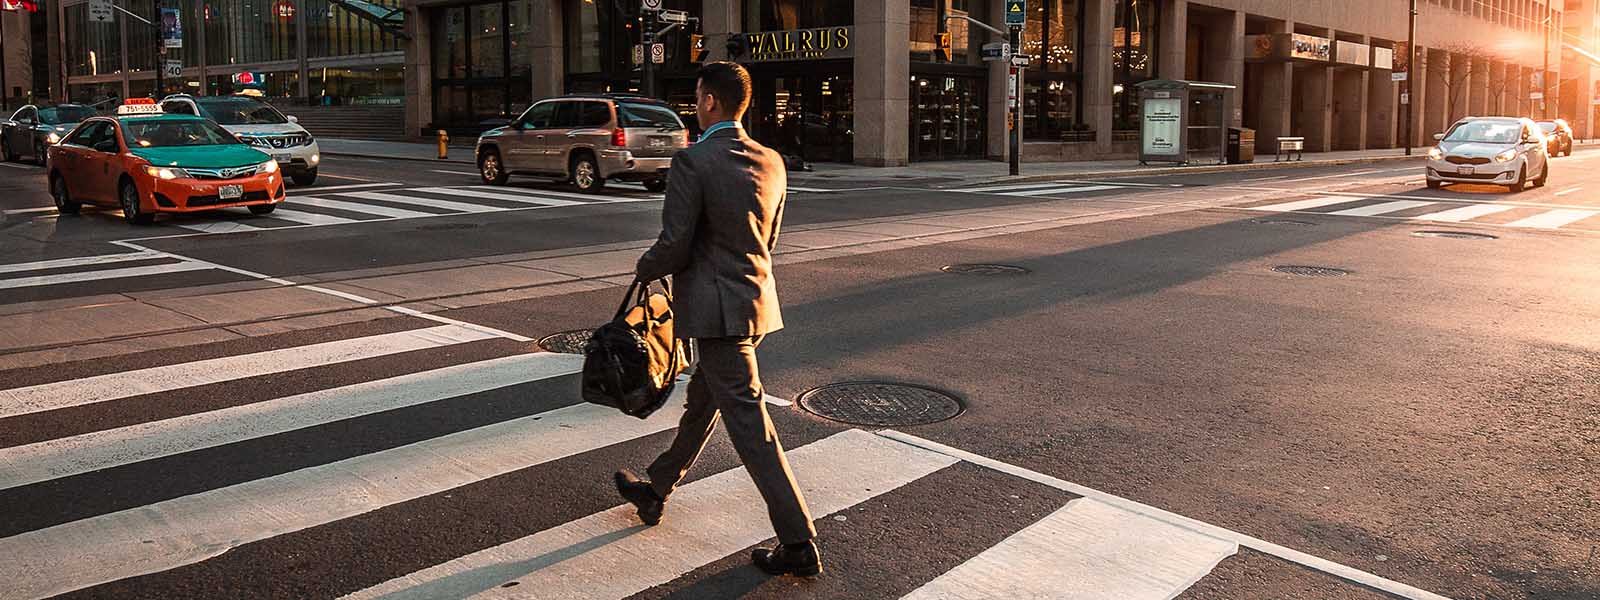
<point x="100" y="11"/>
<point x="800" y="44"/>
<point x="1016" y="12"/>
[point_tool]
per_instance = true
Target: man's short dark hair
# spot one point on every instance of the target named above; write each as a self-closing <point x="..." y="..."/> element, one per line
<point x="729" y="82"/>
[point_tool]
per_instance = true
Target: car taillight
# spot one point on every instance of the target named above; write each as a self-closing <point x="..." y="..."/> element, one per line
<point x="619" y="137"/>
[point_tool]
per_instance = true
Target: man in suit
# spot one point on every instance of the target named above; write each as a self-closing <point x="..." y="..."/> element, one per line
<point x="718" y="228"/>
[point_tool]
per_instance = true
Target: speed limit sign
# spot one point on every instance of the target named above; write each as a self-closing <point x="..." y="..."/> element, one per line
<point x="652" y="5"/>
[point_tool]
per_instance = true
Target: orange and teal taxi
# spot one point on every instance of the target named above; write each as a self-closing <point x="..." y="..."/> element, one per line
<point x="146" y="162"/>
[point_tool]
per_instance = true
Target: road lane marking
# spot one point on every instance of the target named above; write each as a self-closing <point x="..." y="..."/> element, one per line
<point x="219" y="226"/>
<point x="1383" y="208"/>
<point x="1554" y="219"/>
<point x="1266" y="178"/>
<point x="1086" y="549"/>
<point x="349" y="178"/>
<point x="1336" y="176"/>
<point x="1389" y="586"/>
<point x="1569" y="190"/>
<point x="709" y="519"/>
<point x="65" y="457"/>
<point x="79" y="277"/>
<point x="589" y="198"/>
<point x="29" y="211"/>
<point x="1007" y="188"/>
<point x="500" y="195"/>
<point x="23" y="167"/>
<point x="1065" y="190"/>
<point x="1464" y="213"/>
<point x="1307" y="204"/>
<point x="82" y="261"/>
<point x="456" y="172"/>
<point x="460" y="207"/>
<point x="186" y="530"/>
<point x="357" y="207"/>
<point x="319" y="189"/>
<point x="295" y="216"/>
<point x="127" y="384"/>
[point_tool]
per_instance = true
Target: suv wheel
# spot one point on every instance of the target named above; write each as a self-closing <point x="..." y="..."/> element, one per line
<point x="491" y="169"/>
<point x="5" y="150"/>
<point x="586" y="174"/>
<point x="306" y="177"/>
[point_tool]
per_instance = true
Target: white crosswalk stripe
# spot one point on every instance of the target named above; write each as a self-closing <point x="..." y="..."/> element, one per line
<point x="1465" y="213"/>
<point x="81" y="261"/>
<point x="1546" y="218"/>
<point x="307" y="218"/>
<point x="1554" y="219"/>
<point x="357" y="207"/>
<point x="460" y="207"/>
<point x="1381" y="208"/>
<point x="1079" y="189"/>
<point x="1092" y="547"/>
<point x="1307" y="204"/>
<point x="500" y="195"/>
<point x="82" y="276"/>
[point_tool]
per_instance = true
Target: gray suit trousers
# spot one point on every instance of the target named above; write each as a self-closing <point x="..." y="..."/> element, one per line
<point x="728" y="383"/>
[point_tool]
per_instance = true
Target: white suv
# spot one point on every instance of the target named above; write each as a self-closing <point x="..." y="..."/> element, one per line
<point x="260" y="125"/>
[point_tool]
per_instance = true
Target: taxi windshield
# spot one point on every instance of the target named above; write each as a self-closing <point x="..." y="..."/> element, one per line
<point x="240" y="111"/>
<point x="188" y="132"/>
<point x="1487" y="132"/>
<point x="65" y="114"/>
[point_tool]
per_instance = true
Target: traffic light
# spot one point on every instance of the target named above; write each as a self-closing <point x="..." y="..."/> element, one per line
<point x="737" y="46"/>
<point x="945" y="52"/>
<point x="697" y="47"/>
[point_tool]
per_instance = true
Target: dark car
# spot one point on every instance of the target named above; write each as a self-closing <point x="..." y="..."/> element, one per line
<point x="1560" y="135"/>
<point x="32" y="129"/>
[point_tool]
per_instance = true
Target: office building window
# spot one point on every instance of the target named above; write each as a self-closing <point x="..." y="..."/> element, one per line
<point x="1133" y="54"/>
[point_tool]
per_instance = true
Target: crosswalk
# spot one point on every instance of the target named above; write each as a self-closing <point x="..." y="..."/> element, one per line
<point x="1444" y="211"/>
<point x="232" y="482"/>
<point x="314" y="207"/>
<point x="1057" y="188"/>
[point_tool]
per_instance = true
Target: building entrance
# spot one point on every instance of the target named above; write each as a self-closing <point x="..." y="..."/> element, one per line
<point x="947" y="117"/>
<point x="804" y="115"/>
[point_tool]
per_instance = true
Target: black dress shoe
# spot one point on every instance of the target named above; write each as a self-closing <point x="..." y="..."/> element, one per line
<point x="802" y="559"/>
<point x="642" y="496"/>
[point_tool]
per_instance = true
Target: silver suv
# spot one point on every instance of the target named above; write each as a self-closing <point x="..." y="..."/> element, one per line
<point x="586" y="140"/>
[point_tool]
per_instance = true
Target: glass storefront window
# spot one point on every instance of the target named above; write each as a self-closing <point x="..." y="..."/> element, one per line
<point x="94" y="93"/>
<point x="1051" y="111"/>
<point x="1133" y="55"/>
<point x="143" y="39"/>
<point x="228" y="42"/>
<point x="1052" y="34"/>
<point x="359" y="86"/>
<point x="947" y="117"/>
<point x="804" y="115"/>
<point x="928" y="20"/>
<point x="779" y="15"/>
<point x="92" y="48"/>
<point x="332" y="30"/>
<point x="474" y="83"/>
<point x="272" y="84"/>
<point x="584" y="23"/>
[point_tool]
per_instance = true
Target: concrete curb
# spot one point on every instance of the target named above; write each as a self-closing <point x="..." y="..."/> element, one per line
<point x="1160" y="171"/>
<point x="457" y="161"/>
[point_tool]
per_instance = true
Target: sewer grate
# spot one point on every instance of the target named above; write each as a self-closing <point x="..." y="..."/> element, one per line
<point x="1283" y="222"/>
<point x="566" y="342"/>
<point x="1310" y="271"/>
<point x="984" y="269"/>
<point x="1456" y="235"/>
<point x="880" y="404"/>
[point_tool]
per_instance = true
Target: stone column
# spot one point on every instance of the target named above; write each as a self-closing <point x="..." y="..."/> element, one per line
<point x="1276" y="98"/>
<point x="1435" y="112"/>
<point x="419" y="72"/>
<point x="549" y="42"/>
<point x="722" y="17"/>
<point x="882" y="89"/>
<point x="1382" y="109"/>
<point x="1478" y="87"/>
<point x="998" y="146"/>
<point x="1233" y="68"/>
<point x="1174" y="39"/>
<point x="1097" y="92"/>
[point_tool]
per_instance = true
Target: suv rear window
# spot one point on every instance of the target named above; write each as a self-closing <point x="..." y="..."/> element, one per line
<point x="632" y="114"/>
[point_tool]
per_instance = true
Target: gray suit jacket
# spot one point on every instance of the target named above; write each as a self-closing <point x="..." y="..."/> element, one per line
<point x="719" y="226"/>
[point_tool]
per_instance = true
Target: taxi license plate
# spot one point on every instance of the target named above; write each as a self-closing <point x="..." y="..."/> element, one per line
<point x="1465" y="170"/>
<point x="230" y="192"/>
<point x="283" y="158"/>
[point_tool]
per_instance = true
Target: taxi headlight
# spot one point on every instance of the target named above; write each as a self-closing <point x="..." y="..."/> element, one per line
<point x="165" y="172"/>
<point x="52" y="138"/>
<point x="1435" y="153"/>
<point x="1506" y="156"/>
<point x="270" y="166"/>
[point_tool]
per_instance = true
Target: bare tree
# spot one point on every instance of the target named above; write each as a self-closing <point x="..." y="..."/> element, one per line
<point x="1464" y="59"/>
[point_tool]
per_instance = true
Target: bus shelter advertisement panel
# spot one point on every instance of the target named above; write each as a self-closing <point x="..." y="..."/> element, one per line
<point x="1163" y="121"/>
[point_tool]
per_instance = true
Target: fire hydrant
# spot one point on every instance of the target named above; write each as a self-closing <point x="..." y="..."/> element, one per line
<point x="444" y="145"/>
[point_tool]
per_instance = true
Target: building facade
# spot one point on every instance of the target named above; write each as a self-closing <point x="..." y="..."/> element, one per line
<point x="866" y="82"/>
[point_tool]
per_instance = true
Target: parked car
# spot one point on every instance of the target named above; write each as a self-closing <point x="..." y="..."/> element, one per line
<point x="1559" y="132"/>
<point x="260" y="125"/>
<point x="586" y="140"/>
<point x="145" y="162"/>
<point x="33" y="128"/>
<point x="1494" y="150"/>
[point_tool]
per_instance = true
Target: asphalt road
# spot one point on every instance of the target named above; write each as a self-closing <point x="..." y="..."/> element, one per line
<point x="348" y="397"/>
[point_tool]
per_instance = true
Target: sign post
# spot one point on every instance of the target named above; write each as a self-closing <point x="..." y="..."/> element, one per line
<point x="1016" y="92"/>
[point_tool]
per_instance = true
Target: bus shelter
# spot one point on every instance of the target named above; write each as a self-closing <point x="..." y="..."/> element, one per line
<point x="1183" y="122"/>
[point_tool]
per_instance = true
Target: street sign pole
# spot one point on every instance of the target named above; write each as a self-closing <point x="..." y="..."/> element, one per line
<point x="1411" y="69"/>
<point x="1016" y="104"/>
<point x="647" y="68"/>
<point x="5" y="92"/>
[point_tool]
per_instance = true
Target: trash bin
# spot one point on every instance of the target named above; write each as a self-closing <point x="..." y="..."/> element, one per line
<point x="1241" y="145"/>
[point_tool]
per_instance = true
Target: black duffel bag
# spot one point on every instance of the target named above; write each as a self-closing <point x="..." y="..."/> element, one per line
<point x="632" y="363"/>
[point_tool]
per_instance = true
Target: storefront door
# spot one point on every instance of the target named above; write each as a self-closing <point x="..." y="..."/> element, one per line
<point x="808" y="116"/>
<point x="947" y="117"/>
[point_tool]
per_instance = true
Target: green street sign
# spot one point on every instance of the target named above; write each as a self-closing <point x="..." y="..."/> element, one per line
<point x="1016" y="12"/>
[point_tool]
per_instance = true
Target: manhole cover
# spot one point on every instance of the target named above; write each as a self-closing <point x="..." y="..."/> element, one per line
<point x="447" y="226"/>
<point x="566" y="342"/>
<point x="878" y="404"/>
<point x="1307" y="271"/>
<point x="1291" y="222"/>
<point x="984" y="269"/>
<point x="1456" y="235"/>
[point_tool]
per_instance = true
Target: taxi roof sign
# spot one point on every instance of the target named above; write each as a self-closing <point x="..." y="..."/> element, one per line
<point x="139" y="106"/>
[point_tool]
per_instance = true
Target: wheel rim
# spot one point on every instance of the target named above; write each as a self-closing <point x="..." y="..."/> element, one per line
<point x="491" y="167"/>
<point x="130" y="203"/>
<point x="58" y="191"/>
<point x="585" y="174"/>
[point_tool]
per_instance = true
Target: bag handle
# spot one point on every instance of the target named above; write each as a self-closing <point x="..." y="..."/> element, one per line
<point x="639" y="293"/>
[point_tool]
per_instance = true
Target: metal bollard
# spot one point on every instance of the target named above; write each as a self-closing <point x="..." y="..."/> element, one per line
<point x="444" y="145"/>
